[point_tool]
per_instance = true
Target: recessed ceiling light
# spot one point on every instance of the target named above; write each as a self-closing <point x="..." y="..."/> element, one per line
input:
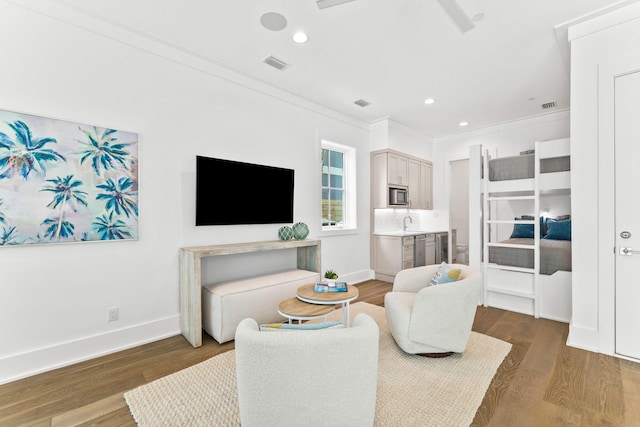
<point x="463" y="124"/>
<point x="429" y="101"/>
<point x="300" y="37"/>
<point x="478" y="17"/>
<point x="273" y="21"/>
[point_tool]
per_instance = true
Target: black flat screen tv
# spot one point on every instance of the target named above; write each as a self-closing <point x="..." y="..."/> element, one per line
<point x="230" y="192"/>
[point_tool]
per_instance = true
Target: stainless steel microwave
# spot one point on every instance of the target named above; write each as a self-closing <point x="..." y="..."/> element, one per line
<point x="398" y="196"/>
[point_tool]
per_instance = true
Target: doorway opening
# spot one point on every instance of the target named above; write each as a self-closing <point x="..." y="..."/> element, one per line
<point x="459" y="210"/>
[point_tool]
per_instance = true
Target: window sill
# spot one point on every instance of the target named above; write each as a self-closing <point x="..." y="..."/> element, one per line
<point x="338" y="232"/>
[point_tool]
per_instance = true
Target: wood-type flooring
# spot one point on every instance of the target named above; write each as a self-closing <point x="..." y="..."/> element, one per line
<point x="541" y="383"/>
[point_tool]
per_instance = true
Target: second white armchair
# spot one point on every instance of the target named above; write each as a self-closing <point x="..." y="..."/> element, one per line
<point x="435" y="320"/>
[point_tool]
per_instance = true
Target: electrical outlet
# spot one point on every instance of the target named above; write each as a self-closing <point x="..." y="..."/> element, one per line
<point x="112" y="314"/>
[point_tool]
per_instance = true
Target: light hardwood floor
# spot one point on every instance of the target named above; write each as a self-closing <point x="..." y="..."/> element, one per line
<point x="541" y="383"/>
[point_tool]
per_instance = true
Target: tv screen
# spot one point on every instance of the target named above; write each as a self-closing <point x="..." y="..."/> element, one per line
<point x="230" y="192"/>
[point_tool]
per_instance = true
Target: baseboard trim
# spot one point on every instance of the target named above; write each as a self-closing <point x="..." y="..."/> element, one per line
<point x="357" y="277"/>
<point x="33" y="362"/>
<point x="583" y="338"/>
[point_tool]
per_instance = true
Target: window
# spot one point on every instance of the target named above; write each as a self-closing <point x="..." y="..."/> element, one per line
<point x="338" y="186"/>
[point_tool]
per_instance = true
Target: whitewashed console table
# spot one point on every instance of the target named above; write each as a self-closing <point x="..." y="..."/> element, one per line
<point x="308" y="258"/>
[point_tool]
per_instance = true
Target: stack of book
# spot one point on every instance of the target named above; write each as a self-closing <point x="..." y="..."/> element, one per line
<point x="330" y="287"/>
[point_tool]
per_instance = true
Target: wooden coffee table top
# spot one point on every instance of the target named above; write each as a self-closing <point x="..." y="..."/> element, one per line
<point x="306" y="293"/>
<point x="296" y="308"/>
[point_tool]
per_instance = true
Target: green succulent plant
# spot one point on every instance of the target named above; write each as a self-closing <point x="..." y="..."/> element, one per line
<point x="330" y="274"/>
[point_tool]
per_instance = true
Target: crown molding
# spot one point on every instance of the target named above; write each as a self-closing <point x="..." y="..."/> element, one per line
<point x="78" y="17"/>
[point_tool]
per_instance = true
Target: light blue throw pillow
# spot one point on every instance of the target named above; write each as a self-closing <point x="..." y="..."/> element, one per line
<point x="445" y="274"/>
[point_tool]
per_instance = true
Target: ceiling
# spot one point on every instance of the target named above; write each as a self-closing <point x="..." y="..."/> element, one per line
<point x="392" y="53"/>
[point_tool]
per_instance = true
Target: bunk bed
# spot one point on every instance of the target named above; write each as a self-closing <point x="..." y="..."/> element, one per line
<point x="527" y="230"/>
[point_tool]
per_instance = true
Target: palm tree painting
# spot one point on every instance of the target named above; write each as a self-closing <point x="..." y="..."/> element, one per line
<point x="103" y="150"/>
<point x="26" y="154"/>
<point x="119" y="196"/>
<point x="66" y="182"/>
<point x="65" y="192"/>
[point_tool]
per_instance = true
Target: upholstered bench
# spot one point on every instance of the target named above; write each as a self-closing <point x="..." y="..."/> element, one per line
<point x="225" y="304"/>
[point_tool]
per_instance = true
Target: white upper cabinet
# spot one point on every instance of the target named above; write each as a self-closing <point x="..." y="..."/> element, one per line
<point x="398" y="169"/>
<point x="389" y="169"/>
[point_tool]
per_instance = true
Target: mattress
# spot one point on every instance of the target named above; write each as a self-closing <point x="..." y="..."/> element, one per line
<point x="554" y="255"/>
<point x="522" y="167"/>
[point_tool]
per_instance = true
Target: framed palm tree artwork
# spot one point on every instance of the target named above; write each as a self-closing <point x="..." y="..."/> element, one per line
<point x="66" y="182"/>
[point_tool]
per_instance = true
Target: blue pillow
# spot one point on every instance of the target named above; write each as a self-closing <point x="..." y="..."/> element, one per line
<point x="522" y="231"/>
<point x="445" y="274"/>
<point x="543" y="228"/>
<point x="543" y="224"/>
<point x="558" y="230"/>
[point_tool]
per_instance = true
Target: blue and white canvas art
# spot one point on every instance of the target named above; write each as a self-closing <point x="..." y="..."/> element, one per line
<point x="66" y="182"/>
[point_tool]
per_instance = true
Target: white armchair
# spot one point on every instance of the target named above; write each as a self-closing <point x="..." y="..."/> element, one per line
<point x="435" y="320"/>
<point x="325" y="377"/>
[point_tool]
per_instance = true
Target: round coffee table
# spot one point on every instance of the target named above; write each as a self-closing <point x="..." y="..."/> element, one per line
<point x="295" y="309"/>
<point x="307" y="294"/>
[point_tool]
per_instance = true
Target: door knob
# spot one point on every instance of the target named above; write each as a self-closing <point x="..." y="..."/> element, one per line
<point x="628" y="251"/>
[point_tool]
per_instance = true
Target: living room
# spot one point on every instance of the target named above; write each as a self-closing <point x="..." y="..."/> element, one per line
<point x="65" y="64"/>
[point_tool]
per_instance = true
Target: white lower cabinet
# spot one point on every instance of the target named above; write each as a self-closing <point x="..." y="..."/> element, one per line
<point x="392" y="254"/>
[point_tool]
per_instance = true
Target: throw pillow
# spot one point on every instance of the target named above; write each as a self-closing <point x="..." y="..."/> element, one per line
<point x="558" y="230"/>
<point x="276" y="327"/>
<point x="556" y="218"/>
<point x="543" y="230"/>
<point x="522" y="231"/>
<point x="445" y="274"/>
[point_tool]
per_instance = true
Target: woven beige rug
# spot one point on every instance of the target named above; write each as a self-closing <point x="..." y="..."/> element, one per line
<point x="412" y="390"/>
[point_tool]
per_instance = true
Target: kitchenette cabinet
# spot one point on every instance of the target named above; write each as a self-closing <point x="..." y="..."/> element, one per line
<point x="392" y="254"/>
<point x="397" y="169"/>
<point x="391" y="168"/>
<point x="395" y="251"/>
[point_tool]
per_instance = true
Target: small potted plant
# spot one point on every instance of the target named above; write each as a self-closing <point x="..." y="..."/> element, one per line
<point x="330" y="276"/>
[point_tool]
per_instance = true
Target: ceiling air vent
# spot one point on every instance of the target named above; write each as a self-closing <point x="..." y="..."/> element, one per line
<point x="276" y="63"/>
<point x="362" y="103"/>
<point x="548" y="105"/>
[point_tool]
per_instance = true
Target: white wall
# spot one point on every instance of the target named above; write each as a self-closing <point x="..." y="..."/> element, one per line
<point x="53" y="298"/>
<point x="505" y="139"/>
<point x="389" y="134"/>
<point x="593" y="44"/>
<point x="408" y="141"/>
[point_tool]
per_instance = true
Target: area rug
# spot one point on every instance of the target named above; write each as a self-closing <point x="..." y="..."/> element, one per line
<point x="412" y="390"/>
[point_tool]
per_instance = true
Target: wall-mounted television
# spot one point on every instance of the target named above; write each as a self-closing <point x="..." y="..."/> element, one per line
<point x="230" y="192"/>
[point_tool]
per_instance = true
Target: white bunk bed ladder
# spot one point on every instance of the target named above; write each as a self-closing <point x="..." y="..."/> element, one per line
<point x="494" y="196"/>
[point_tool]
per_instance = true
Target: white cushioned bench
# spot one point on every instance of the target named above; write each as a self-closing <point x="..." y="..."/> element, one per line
<point x="226" y="304"/>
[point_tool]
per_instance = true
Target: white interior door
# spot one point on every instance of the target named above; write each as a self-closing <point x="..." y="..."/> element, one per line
<point x="627" y="214"/>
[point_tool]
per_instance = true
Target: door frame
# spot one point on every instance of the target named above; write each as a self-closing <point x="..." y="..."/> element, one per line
<point x="607" y="73"/>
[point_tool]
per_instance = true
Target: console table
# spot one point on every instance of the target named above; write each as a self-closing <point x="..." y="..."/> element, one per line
<point x="308" y="258"/>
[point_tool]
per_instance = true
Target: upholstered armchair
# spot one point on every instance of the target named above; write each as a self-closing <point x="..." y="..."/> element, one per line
<point x="325" y="377"/>
<point x="433" y="320"/>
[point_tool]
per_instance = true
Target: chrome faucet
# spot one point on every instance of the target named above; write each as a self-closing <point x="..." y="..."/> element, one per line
<point x="405" y="221"/>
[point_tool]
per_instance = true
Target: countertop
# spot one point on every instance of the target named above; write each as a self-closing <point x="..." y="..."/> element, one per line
<point x="407" y="233"/>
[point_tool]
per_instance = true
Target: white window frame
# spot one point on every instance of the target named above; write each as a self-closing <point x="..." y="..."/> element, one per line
<point x="349" y="179"/>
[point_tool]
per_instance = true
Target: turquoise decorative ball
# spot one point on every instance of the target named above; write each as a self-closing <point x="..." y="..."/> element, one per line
<point x="285" y="233"/>
<point x="300" y="230"/>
